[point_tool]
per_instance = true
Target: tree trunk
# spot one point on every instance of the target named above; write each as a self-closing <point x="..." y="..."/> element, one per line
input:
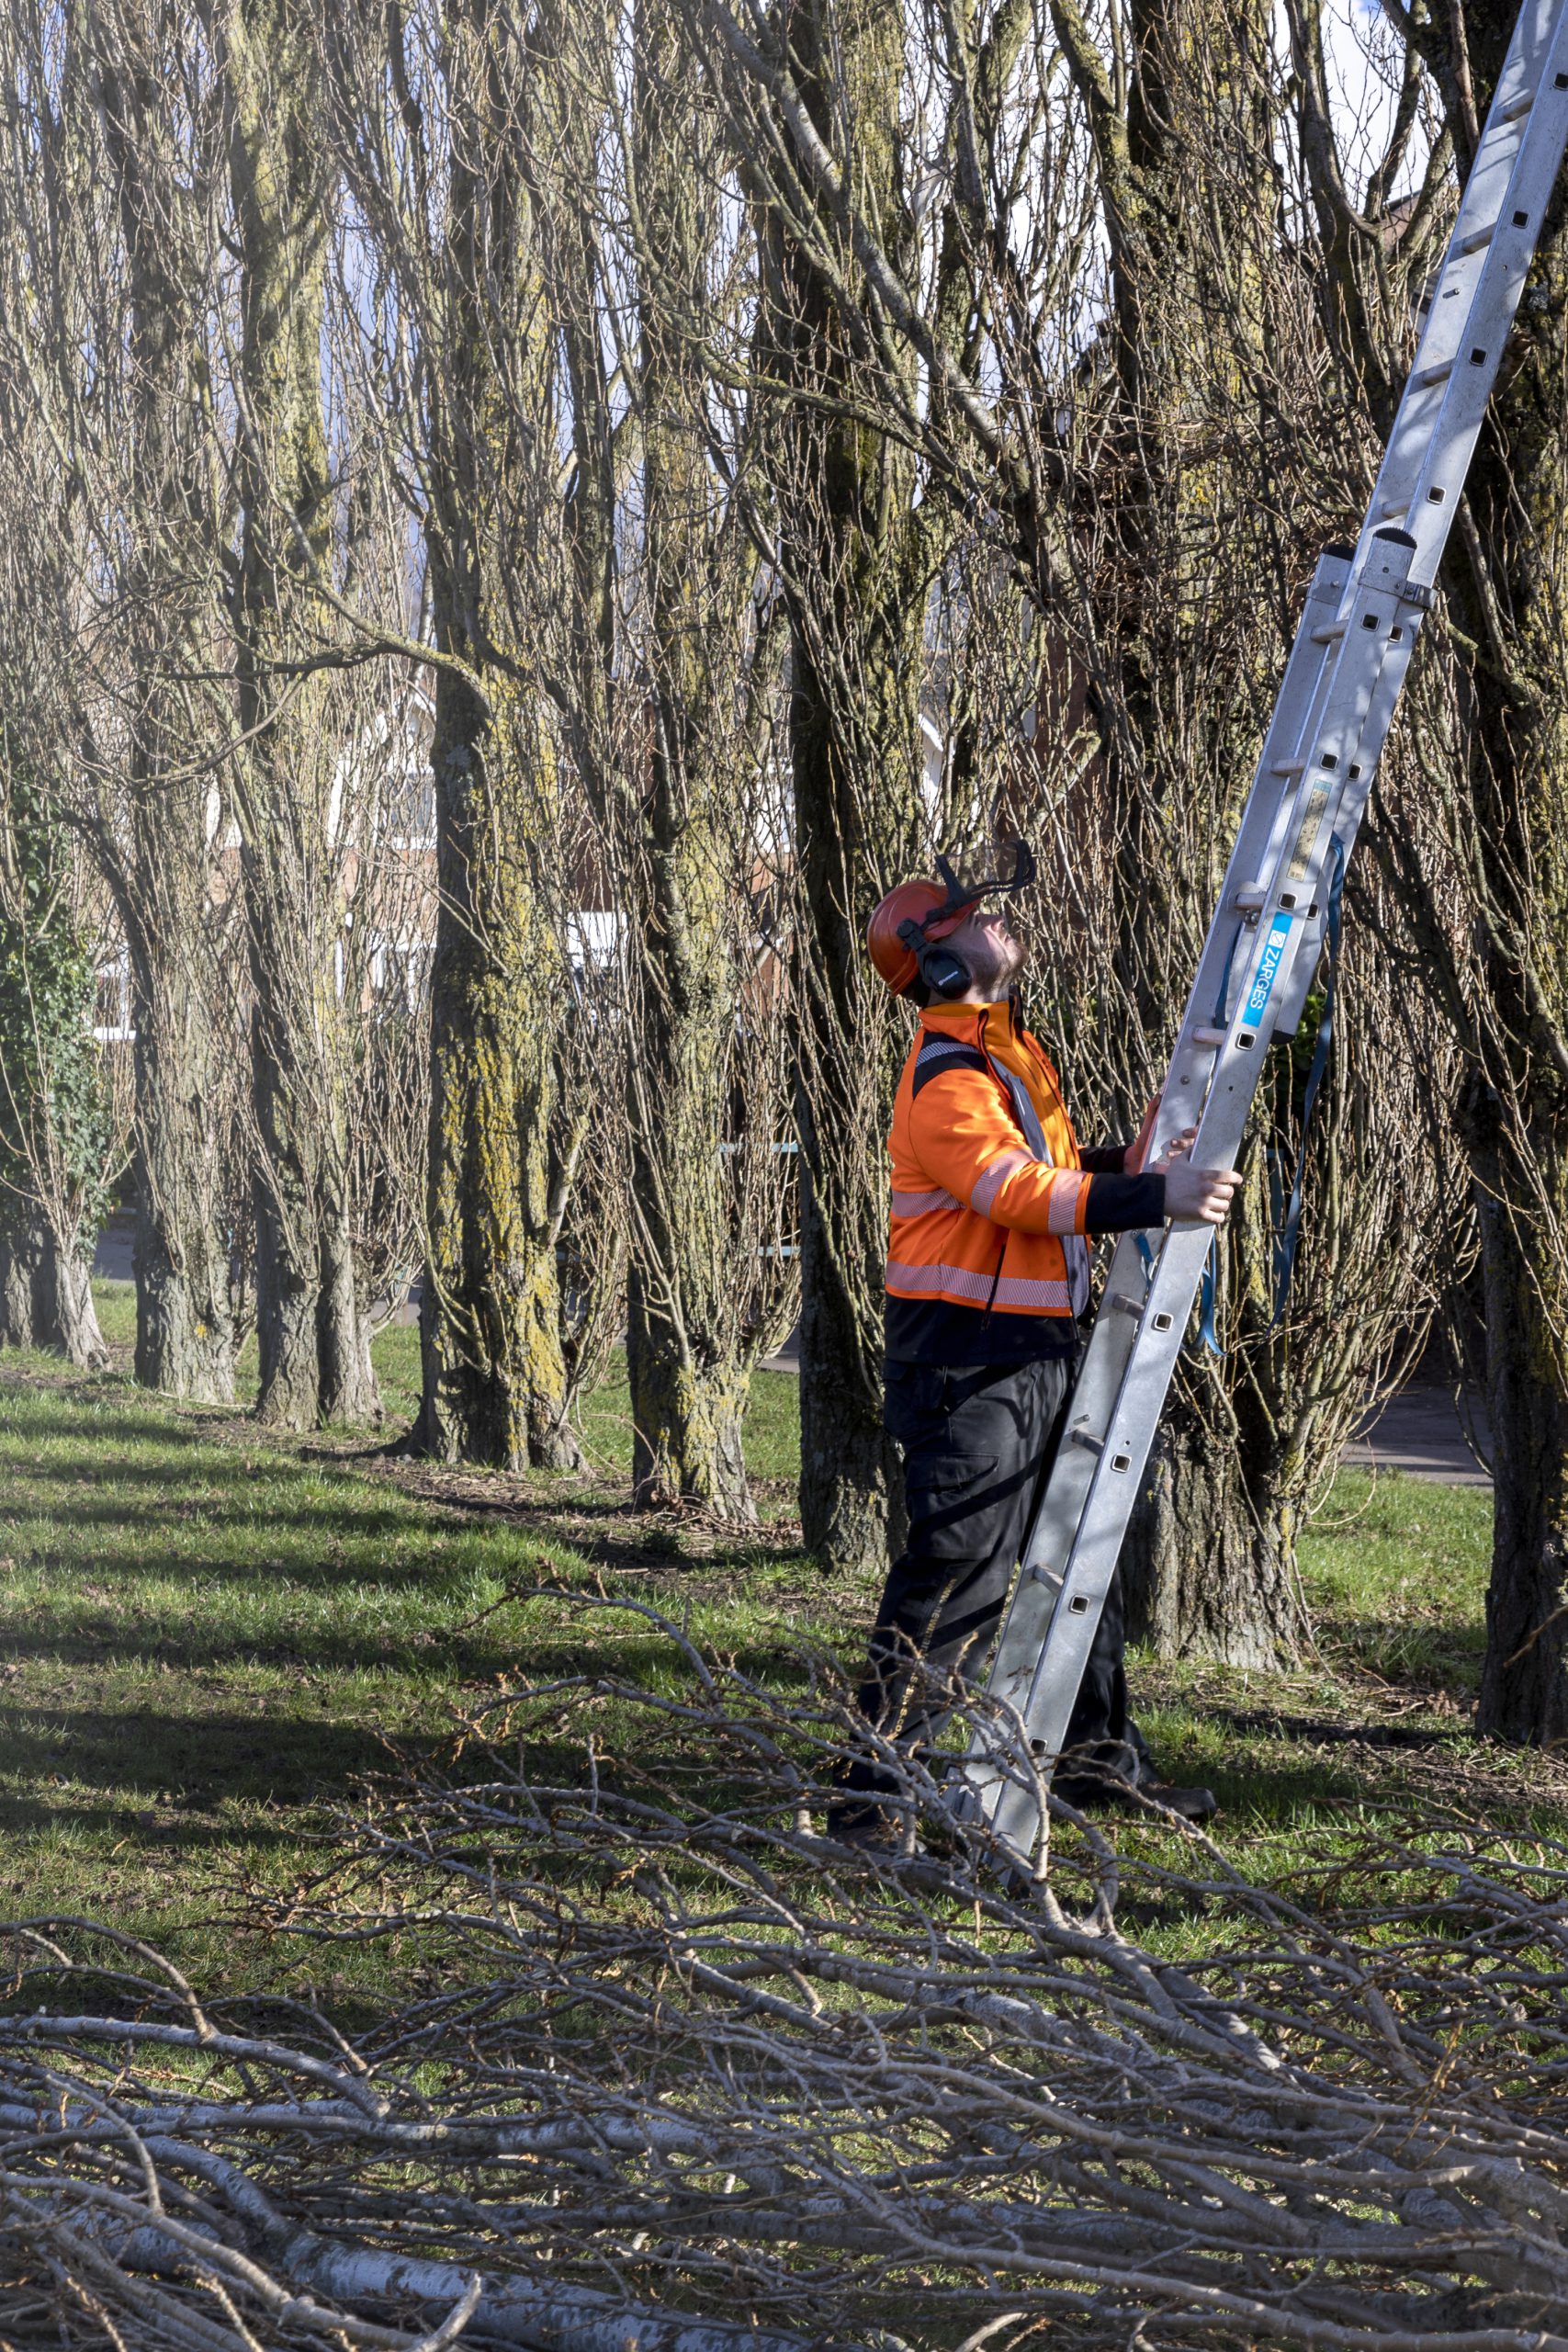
<point x="348" y="1390"/>
<point x="184" y="1324"/>
<point x="289" y="1392"/>
<point x="1509" y="582"/>
<point x="687" y="1417"/>
<point x="286" y="1203"/>
<point x="495" y="1386"/>
<point x="494" y="1375"/>
<point x="314" y="1365"/>
<point x="1524" y="1681"/>
<point x="852" y="1489"/>
<point x="1208" y="1569"/>
<point x="24" y="1287"/>
<point x="850" y="1054"/>
<point x="1209" y="1558"/>
<point x="684" y="1354"/>
<point x="46" y="1298"/>
<point x="74" y="1316"/>
<point x="857" y="556"/>
<point x="184" y="1327"/>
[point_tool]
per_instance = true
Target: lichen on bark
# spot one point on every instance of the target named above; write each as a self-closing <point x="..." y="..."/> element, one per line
<point x="315" y="1360"/>
<point x="494" y="1377"/>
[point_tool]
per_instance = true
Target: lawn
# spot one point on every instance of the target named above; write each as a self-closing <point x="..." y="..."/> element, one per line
<point x="213" y="1636"/>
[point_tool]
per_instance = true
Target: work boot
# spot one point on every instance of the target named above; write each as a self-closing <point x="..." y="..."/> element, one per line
<point x="868" y="1828"/>
<point x="1102" y="1791"/>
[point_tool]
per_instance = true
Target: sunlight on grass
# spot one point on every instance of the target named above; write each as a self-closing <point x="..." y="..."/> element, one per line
<point x="214" y="1636"/>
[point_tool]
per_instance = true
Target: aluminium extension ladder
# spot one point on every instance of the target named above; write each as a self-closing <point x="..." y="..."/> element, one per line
<point x="1345" y="668"/>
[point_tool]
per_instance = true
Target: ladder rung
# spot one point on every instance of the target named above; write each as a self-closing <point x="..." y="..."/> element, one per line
<point x="1513" y="108"/>
<point x="1250" y="901"/>
<point x="1087" y="1438"/>
<point x="1121" y="1303"/>
<point x="1439" y="374"/>
<point x="1476" y="239"/>
<point x="1393" y="510"/>
<point x="1288" y="767"/>
<point x="1329" y="634"/>
<point x="1215" y="1038"/>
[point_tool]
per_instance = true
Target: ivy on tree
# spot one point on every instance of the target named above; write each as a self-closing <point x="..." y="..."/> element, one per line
<point x="54" y="1126"/>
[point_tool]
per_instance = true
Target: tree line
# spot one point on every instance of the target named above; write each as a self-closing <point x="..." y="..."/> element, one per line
<point x="521" y="521"/>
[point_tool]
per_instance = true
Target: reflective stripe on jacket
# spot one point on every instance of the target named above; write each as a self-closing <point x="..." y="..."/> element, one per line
<point x="989" y="1198"/>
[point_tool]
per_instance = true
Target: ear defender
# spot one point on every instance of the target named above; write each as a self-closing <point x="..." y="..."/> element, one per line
<point x="942" y="971"/>
<point x="938" y="966"/>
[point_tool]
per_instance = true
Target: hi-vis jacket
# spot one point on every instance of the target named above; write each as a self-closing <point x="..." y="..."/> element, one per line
<point x="992" y="1200"/>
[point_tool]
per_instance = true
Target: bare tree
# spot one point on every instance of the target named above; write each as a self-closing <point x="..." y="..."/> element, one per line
<point x="315" y="1363"/>
<point x="113" y="258"/>
<point x="1089" y="320"/>
<point x="60" y="1151"/>
<point x="1489" y="837"/>
<point x="427" y="114"/>
<point x="664" y="665"/>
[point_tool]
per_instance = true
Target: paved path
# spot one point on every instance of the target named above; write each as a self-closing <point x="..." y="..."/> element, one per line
<point x="1420" y="1432"/>
<point x="111" y="1256"/>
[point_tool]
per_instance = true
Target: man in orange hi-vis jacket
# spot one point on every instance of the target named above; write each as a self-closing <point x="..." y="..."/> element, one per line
<point x="994" y="1208"/>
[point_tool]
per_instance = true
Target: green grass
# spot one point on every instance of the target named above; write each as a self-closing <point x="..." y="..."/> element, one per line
<point x="210" y="1636"/>
<point x="1398" y="1573"/>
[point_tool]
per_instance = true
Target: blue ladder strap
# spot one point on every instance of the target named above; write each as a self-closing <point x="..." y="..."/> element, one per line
<point x="1206" y="1331"/>
<point x="1221" y="1015"/>
<point x="1206" y="1320"/>
<point x="1290" y="1233"/>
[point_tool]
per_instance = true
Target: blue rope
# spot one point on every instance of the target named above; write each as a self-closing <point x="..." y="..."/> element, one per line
<point x="1210" y="1286"/>
<point x="1290" y="1233"/>
<point x="1206" y="1320"/>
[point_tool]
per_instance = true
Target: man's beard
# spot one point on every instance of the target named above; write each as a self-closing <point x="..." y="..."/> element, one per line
<point x="992" y="967"/>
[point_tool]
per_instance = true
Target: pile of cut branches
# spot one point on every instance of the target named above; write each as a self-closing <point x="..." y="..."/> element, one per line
<point x="689" y="2077"/>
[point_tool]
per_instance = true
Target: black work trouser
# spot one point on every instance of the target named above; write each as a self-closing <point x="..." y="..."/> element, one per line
<point x="978" y="1442"/>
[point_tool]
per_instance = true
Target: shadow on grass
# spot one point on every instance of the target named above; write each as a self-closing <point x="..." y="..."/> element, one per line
<point x="430" y="1500"/>
<point x="458" y="1666"/>
<point x="1323" y="1732"/>
<point x="138" y="1756"/>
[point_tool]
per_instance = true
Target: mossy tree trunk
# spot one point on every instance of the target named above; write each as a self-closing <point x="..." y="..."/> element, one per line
<point x="494" y="1376"/>
<point x="1209" y="1560"/>
<point x="686" y="1358"/>
<point x="1510" y="587"/>
<point x="162" y="880"/>
<point x="46" y="1295"/>
<point x="315" y="1363"/>
<point x="857" y="556"/>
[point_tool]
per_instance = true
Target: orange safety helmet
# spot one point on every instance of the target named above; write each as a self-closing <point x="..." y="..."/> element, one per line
<point x="918" y="914"/>
<point x="926" y="905"/>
